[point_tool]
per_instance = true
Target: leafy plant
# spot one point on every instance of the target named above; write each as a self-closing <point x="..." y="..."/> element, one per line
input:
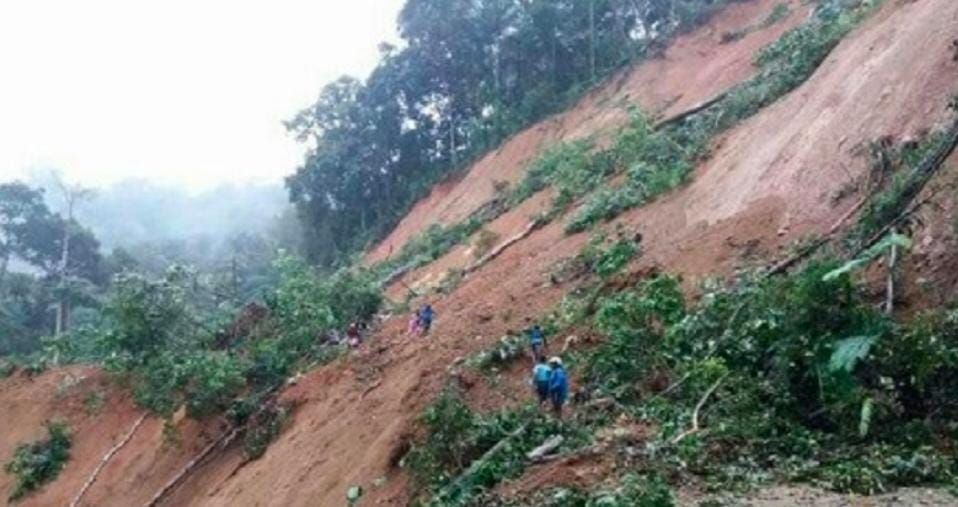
<point x="265" y="426"/>
<point x="40" y="462"/>
<point x="484" y="242"/>
<point x="873" y="252"/>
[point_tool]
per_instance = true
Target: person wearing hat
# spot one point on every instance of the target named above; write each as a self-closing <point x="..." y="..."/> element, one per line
<point x="558" y="386"/>
<point x="536" y="342"/>
<point x="541" y="375"/>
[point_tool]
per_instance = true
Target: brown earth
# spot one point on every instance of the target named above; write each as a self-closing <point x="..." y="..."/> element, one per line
<point x="769" y="182"/>
<point x="99" y="413"/>
<point x="695" y="68"/>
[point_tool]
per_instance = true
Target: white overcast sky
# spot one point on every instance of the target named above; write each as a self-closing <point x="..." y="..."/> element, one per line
<point x="187" y="92"/>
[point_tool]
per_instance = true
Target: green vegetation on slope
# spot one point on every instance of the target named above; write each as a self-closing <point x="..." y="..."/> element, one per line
<point x="40" y="462"/>
<point x="654" y="161"/>
<point x="796" y="379"/>
<point x="469" y="74"/>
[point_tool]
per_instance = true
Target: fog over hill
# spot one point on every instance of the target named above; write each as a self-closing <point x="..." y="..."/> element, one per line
<point x="133" y="212"/>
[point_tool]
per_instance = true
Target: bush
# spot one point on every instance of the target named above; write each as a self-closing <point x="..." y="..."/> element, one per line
<point x="145" y="317"/>
<point x="7" y="368"/>
<point x="811" y="380"/>
<point x="485" y="240"/>
<point x="38" y="463"/>
<point x="263" y="429"/>
<point x="446" y="461"/>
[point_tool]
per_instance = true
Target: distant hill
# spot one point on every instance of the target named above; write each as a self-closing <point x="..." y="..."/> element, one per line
<point x="134" y="212"/>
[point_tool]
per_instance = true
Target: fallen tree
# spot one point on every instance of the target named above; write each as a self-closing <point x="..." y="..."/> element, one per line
<point x="106" y="459"/>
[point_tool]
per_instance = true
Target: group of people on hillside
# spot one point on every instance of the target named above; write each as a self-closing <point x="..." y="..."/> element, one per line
<point x="549" y="378"/>
<point x="421" y="320"/>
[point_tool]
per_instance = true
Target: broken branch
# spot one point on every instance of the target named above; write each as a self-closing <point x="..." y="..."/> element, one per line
<point x="698" y="408"/>
<point x="106" y="459"/>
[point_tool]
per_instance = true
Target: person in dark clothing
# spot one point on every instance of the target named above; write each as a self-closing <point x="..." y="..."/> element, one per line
<point x="558" y="386"/>
<point x="426" y="316"/>
<point x="537" y="342"/>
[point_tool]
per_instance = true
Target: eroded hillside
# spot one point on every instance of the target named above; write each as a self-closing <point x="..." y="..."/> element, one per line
<point x="768" y="182"/>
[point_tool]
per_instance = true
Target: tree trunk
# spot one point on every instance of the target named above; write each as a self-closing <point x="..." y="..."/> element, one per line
<point x="592" y="39"/>
<point x="63" y="310"/>
<point x="4" y="264"/>
<point x="890" y="290"/>
<point x="452" y="141"/>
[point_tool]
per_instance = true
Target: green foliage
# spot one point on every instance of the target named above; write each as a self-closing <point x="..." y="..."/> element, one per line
<point x="7" y="368"/>
<point x="779" y="13"/>
<point x="509" y="348"/>
<point x="812" y="383"/>
<point x="635" y="492"/>
<point x="905" y="164"/>
<point x="265" y="426"/>
<point x="873" y="252"/>
<point x="632" y="491"/>
<point x="93" y="402"/>
<point x="467" y="76"/>
<point x="850" y="351"/>
<point x="449" y="423"/>
<point x="40" y="462"/>
<point x="654" y="162"/>
<point x="452" y="463"/>
<point x="485" y="241"/>
<point x="146" y="317"/>
<point x="307" y="304"/>
<point x="566" y="166"/>
<point x="156" y="337"/>
<point x="604" y="258"/>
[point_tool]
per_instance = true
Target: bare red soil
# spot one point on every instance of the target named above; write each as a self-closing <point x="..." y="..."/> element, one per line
<point x="693" y="69"/>
<point x="769" y="182"/>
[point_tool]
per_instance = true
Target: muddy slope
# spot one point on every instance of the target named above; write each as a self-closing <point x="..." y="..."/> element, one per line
<point x="355" y="416"/>
<point x="696" y="67"/>
<point x="769" y="182"/>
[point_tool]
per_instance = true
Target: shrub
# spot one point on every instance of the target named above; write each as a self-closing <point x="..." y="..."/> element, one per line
<point x="485" y="240"/>
<point x="263" y="429"/>
<point x="7" y="368"/>
<point x="38" y="463"/>
<point x="452" y="461"/>
<point x="810" y="379"/>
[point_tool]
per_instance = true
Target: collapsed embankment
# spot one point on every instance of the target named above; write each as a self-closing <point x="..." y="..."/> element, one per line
<point x="769" y="182"/>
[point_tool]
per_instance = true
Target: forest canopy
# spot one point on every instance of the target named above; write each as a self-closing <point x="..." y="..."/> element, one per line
<point x="469" y="74"/>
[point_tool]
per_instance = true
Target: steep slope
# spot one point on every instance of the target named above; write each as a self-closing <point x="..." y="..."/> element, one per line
<point x="355" y="417"/>
<point x="769" y="182"/>
<point x="696" y="67"/>
<point x="99" y="413"/>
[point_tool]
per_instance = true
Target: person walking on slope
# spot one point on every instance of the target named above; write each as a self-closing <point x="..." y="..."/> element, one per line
<point x="541" y="375"/>
<point x="537" y="342"/>
<point x="558" y="386"/>
<point x="425" y="319"/>
<point x="353" y="336"/>
<point x="413" y="328"/>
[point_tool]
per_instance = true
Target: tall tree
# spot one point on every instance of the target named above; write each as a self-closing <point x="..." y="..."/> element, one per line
<point x="471" y="73"/>
<point x="72" y="195"/>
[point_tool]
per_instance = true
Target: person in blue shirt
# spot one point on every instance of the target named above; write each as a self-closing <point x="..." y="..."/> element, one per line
<point x="425" y="318"/>
<point x="537" y="342"/>
<point x="558" y="386"/>
<point x="541" y="375"/>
